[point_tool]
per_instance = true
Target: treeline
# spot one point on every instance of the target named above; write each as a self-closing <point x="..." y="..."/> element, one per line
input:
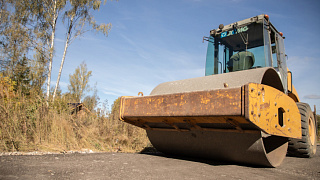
<point x="34" y="115"/>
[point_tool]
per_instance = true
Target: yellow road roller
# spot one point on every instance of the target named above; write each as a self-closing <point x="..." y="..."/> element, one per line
<point x="244" y="110"/>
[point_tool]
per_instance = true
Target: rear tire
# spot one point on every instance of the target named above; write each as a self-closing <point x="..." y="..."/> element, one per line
<point x="305" y="147"/>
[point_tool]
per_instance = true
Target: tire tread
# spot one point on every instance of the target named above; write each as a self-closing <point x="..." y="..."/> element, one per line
<point x="301" y="147"/>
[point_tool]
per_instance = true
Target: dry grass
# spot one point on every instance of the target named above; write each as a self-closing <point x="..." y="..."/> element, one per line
<point x="32" y="124"/>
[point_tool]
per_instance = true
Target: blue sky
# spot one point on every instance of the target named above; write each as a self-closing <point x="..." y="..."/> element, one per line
<point x="158" y="41"/>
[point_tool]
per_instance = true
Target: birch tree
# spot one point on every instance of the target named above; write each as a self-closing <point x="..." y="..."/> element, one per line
<point x="79" y="82"/>
<point x="52" y="8"/>
<point x="79" y="20"/>
<point x="28" y="27"/>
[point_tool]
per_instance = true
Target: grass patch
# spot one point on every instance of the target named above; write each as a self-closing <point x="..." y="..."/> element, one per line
<point x="32" y="124"/>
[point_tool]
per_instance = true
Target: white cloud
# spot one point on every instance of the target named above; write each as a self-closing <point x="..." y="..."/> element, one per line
<point x="59" y="40"/>
<point x="111" y="93"/>
<point x="312" y="96"/>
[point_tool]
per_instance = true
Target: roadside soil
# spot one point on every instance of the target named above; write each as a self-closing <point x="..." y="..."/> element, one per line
<point x="152" y="165"/>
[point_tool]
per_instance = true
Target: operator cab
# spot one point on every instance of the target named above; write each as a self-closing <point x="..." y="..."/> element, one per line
<point x="247" y="44"/>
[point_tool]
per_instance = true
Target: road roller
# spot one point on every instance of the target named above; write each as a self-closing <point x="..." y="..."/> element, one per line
<point x="245" y="110"/>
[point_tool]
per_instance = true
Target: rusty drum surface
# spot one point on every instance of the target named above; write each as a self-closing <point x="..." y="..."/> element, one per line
<point x="244" y="148"/>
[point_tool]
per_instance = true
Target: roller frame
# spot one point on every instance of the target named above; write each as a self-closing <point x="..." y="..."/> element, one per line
<point x="252" y="103"/>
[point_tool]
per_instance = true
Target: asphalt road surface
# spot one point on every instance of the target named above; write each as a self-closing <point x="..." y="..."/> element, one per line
<point x="147" y="166"/>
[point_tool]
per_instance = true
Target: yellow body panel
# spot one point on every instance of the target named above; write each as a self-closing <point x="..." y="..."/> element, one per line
<point x="273" y="111"/>
<point x="292" y="91"/>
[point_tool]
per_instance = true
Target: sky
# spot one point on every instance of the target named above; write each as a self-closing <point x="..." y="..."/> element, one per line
<point x="154" y="41"/>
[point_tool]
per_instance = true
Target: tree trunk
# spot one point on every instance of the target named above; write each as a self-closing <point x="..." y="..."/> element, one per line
<point x="64" y="56"/>
<point x="54" y="21"/>
<point x="61" y="65"/>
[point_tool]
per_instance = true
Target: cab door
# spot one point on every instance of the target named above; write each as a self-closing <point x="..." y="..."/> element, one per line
<point x="281" y="61"/>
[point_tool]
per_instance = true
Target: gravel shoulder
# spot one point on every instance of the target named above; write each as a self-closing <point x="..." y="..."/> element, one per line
<point x="146" y="166"/>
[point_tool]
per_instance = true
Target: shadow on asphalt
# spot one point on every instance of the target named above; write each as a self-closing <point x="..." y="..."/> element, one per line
<point x="154" y="152"/>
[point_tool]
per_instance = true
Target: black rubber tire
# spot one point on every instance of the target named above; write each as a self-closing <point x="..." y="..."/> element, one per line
<point x="304" y="147"/>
